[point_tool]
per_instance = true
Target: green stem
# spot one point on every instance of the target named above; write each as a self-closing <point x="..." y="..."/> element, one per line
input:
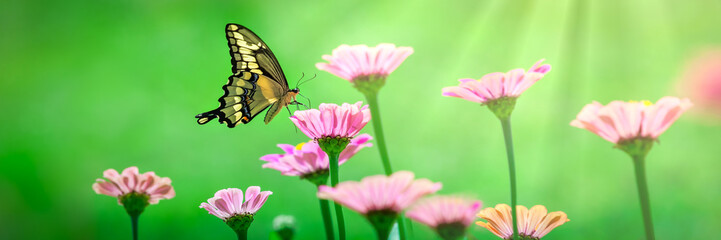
<point x="639" y="165"/>
<point x="333" y="156"/>
<point x="134" y="223"/>
<point x="372" y="99"/>
<point x="327" y="221"/>
<point x="507" y="136"/>
<point x="243" y="234"/>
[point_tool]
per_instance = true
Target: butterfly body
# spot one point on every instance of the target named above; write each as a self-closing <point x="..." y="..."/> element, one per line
<point x="257" y="83"/>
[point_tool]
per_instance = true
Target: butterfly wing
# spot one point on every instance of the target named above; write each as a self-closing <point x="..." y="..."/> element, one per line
<point x="257" y="81"/>
<point x="249" y="53"/>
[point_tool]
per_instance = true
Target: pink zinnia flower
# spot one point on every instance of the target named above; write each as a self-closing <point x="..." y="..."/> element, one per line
<point x="440" y="210"/>
<point x="448" y="215"/>
<point x="228" y="203"/>
<point x="621" y="121"/>
<point x="363" y="62"/>
<point x="308" y="158"/>
<point x="131" y="181"/>
<point x="701" y="81"/>
<point x="331" y="120"/>
<point x="379" y="193"/>
<point x="497" y="85"/>
<point x="533" y="224"/>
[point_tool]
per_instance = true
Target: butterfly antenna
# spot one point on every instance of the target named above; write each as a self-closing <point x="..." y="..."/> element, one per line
<point x="299" y="80"/>
<point x="314" y="75"/>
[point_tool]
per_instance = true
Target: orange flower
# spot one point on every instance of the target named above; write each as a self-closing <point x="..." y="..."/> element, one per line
<point x="532" y="224"/>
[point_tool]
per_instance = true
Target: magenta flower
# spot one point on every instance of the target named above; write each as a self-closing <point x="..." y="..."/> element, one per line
<point x="331" y="120"/>
<point x="131" y="181"/>
<point x="701" y="81"/>
<point x="497" y="85"/>
<point x="622" y="121"/>
<point x="448" y="215"/>
<point x="362" y="62"/>
<point x="380" y="198"/>
<point x="228" y="203"/>
<point x="308" y="158"/>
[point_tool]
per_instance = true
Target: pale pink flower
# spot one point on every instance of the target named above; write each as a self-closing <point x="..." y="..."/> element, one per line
<point x="308" y="158"/>
<point x="439" y="210"/>
<point x="701" y="81"/>
<point x="619" y="121"/>
<point x="497" y="85"/>
<point x="379" y="192"/>
<point x="331" y="120"/>
<point x="229" y="202"/>
<point x="535" y="223"/>
<point x="361" y="61"/>
<point x="131" y="181"/>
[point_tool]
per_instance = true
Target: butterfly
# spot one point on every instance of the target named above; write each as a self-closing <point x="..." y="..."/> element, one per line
<point x="257" y="83"/>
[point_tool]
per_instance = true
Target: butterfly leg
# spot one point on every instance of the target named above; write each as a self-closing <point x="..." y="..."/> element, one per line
<point x="309" y="104"/>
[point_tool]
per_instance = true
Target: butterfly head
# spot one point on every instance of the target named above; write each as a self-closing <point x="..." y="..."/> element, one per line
<point x="294" y="90"/>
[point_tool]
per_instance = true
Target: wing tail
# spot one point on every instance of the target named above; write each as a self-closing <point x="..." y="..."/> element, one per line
<point x="206" y="117"/>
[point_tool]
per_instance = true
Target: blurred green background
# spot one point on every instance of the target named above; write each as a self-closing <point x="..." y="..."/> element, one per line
<point x="92" y="85"/>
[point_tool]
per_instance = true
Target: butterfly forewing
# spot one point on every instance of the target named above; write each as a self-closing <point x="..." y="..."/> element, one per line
<point x="249" y="53"/>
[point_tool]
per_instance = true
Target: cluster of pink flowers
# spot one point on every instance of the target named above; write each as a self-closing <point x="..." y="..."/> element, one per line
<point x="334" y="132"/>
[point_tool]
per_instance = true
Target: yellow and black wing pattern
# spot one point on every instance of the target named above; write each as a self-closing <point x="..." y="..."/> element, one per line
<point x="257" y="81"/>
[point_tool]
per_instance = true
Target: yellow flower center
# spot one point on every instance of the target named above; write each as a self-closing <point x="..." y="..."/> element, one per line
<point x="299" y="146"/>
<point x="645" y="102"/>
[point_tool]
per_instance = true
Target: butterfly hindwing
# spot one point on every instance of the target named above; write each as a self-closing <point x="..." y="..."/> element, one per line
<point x="246" y="95"/>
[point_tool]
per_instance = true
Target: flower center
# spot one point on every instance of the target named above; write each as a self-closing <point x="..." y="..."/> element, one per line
<point x="299" y="146"/>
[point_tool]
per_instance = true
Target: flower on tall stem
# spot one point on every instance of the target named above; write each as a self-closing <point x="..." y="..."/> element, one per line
<point x="308" y="161"/>
<point x="499" y="92"/>
<point x="228" y="204"/>
<point x="380" y="198"/>
<point x="633" y="127"/>
<point x="332" y="127"/>
<point x="449" y="216"/>
<point x="367" y="69"/>
<point x="134" y="191"/>
<point x="533" y="224"/>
